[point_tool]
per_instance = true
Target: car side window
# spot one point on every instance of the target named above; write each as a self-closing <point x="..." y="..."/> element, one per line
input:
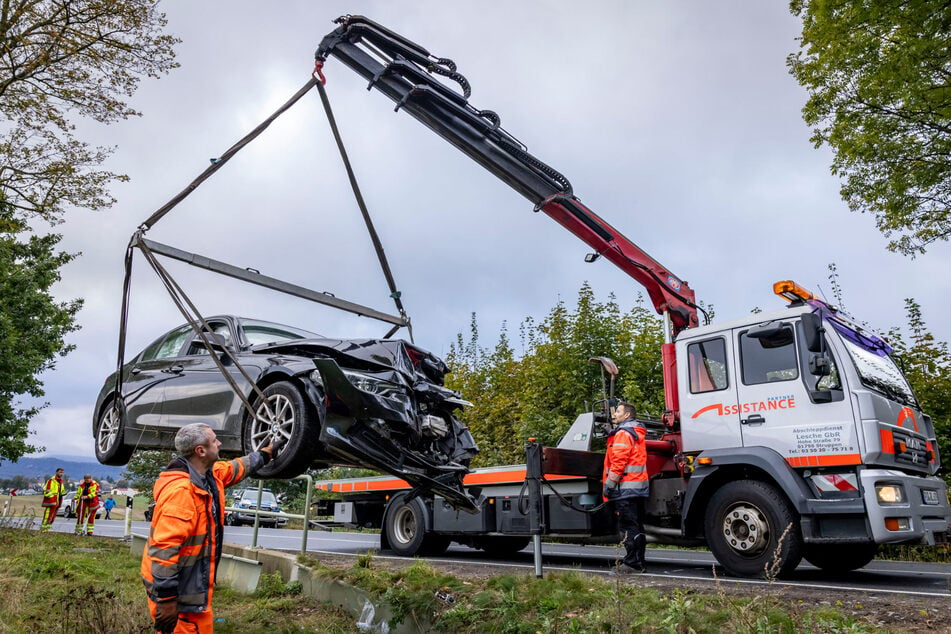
<point x="768" y="359"/>
<point x="706" y="361"/>
<point x="219" y="328"/>
<point x="169" y="346"/>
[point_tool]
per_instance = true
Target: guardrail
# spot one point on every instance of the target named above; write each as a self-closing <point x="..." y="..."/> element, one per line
<point x="258" y="513"/>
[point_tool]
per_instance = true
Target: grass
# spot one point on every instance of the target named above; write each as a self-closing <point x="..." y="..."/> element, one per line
<point x="56" y="582"/>
<point x="575" y="602"/>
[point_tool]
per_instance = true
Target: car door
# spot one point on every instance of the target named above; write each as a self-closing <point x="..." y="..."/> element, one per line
<point x="198" y="392"/>
<point x="143" y="387"/>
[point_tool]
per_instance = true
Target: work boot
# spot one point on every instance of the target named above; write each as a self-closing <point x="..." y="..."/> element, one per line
<point x="624" y="569"/>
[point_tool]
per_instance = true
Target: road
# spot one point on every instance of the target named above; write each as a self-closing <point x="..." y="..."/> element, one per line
<point x="885" y="577"/>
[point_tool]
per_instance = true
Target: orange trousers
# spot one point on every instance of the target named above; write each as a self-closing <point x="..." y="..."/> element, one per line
<point x="191" y="622"/>
<point x="86" y="517"/>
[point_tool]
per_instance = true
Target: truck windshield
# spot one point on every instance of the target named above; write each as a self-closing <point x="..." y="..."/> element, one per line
<point x="877" y="370"/>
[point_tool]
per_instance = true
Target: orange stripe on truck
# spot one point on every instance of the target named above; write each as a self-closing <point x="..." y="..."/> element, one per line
<point x="476" y="478"/>
<point x="827" y="460"/>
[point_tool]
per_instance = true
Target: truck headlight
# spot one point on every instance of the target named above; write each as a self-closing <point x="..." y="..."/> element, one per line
<point x="890" y="493"/>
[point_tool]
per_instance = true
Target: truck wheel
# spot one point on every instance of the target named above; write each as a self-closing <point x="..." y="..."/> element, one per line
<point x="283" y="412"/>
<point x="502" y="545"/>
<point x="109" y="435"/>
<point x="838" y="558"/>
<point x="405" y="526"/>
<point x="752" y="531"/>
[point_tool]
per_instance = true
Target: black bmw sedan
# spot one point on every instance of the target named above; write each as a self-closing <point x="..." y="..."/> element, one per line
<point x="378" y="403"/>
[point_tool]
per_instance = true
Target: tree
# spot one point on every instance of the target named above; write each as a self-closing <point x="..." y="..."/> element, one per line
<point x="33" y="327"/>
<point x="59" y="60"/>
<point x="878" y="74"/>
<point x="144" y="468"/>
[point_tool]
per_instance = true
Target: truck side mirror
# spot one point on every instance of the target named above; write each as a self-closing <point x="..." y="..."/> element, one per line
<point x="812" y="329"/>
<point x="819" y="365"/>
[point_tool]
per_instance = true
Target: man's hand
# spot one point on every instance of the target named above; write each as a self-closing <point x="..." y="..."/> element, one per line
<point x="606" y="492"/>
<point x="166" y="616"/>
<point x="277" y="443"/>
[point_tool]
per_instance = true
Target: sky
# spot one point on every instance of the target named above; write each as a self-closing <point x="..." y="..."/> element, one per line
<point x="676" y="122"/>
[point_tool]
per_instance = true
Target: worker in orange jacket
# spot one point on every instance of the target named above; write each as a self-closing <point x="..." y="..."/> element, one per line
<point x="53" y="493"/>
<point x="181" y="560"/>
<point x="625" y="484"/>
<point x="87" y="505"/>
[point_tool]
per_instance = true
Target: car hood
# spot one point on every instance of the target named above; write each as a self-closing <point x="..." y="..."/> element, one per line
<point x="413" y="362"/>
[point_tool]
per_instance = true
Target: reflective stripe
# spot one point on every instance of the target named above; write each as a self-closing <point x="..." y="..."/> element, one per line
<point x="634" y="468"/>
<point x="634" y="485"/>
<point x="613" y="477"/>
<point x="195" y="540"/>
<point x="163" y="572"/>
<point x="163" y="554"/>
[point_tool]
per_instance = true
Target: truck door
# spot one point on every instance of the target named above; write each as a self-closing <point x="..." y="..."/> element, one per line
<point x="778" y="405"/>
<point x="707" y="403"/>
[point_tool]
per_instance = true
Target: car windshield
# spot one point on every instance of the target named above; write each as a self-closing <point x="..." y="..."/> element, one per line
<point x="266" y="498"/>
<point x="260" y="332"/>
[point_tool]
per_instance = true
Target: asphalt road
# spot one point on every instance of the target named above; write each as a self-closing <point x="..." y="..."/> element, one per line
<point x="888" y="577"/>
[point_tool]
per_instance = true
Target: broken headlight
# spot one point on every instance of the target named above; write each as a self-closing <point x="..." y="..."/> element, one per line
<point x="373" y="385"/>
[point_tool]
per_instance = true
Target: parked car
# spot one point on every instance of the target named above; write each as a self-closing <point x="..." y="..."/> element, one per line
<point x="378" y="403"/>
<point x="68" y="508"/>
<point x="248" y="499"/>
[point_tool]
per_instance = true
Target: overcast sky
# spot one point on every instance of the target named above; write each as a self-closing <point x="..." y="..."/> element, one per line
<point x="677" y="122"/>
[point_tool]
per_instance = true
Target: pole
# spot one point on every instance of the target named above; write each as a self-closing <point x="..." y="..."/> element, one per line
<point x="536" y="517"/>
<point x="128" y="519"/>
<point x="310" y="487"/>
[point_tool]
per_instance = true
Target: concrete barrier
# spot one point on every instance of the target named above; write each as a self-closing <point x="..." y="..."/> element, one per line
<point x="239" y="573"/>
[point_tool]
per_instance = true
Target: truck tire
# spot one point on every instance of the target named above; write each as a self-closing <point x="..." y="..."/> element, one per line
<point x="838" y="558"/>
<point x="752" y="530"/>
<point x="405" y="526"/>
<point x="284" y="411"/>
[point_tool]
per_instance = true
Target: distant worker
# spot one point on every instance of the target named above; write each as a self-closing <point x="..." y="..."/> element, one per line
<point x="52" y="499"/>
<point x="181" y="559"/>
<point x="87" y="505"/>
<point x="626" y="485"/>
<point x="108" y="505"/>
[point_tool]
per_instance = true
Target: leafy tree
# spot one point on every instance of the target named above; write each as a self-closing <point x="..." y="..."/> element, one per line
<point x="59" y="60"/>
<point x="542" y="392"/>
<point x="144" y="468"/>
<point x="878" y="74"/>
<point x="33" y="327"/>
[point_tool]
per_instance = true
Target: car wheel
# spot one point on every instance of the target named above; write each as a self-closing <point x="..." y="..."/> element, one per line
<point x="405" y="528"/>
<point x="838" y="558"/>
<point x="283" y="412"/>
<point x="110" y="447"/>
<point x="752" y="531"/>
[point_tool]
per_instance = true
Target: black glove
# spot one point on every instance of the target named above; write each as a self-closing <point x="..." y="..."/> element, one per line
<point x="606" y="492"/>
<point x="166" y="616"/>
<point x="277" y="443"/>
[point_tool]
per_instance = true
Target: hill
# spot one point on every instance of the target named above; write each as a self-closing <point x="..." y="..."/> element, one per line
<point x="76" y="468"/>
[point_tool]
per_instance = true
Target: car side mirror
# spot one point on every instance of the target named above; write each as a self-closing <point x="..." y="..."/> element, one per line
<point x="216" y="341"/>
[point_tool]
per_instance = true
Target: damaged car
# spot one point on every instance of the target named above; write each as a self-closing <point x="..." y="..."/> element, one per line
<point x="377" y="403"/>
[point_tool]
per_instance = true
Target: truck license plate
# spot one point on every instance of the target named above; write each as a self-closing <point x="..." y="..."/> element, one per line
<point x="930" y="496"/>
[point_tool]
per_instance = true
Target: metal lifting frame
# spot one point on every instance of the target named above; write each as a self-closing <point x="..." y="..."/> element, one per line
<point x="187" y="308"/>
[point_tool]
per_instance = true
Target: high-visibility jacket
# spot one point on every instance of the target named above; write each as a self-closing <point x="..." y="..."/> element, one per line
<point x="625" y="461"/>
<point x="184" y="547"/>
<point x="88" y="494"/>
<point x="53" y="492"/>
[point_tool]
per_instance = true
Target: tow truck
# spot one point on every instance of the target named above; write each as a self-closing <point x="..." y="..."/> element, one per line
<point x="787" y="435"/>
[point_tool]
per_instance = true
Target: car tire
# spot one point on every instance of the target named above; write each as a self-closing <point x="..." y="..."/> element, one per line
<point x="752" y="531"/>
<point x="110" y="435"/>
<point x="839" y="558"/>
<point x="283" y="411"/>
<point x="405" y="526"/>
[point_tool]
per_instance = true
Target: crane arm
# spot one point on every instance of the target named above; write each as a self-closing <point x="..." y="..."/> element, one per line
<point x="406" y="73"/>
